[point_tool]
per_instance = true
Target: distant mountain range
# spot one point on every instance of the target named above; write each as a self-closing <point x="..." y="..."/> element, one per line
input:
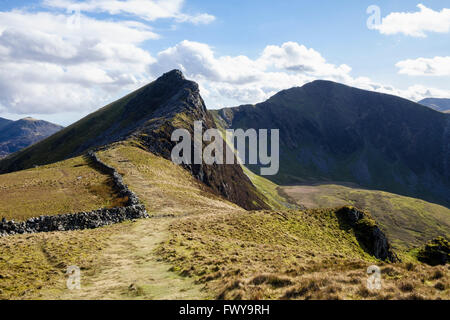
<point x="332" y="132"/>
<point x="442" y="105"/>
<point x="16" y="135"/>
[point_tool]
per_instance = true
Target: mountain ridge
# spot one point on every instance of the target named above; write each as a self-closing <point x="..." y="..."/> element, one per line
<point x="333" y="132"/>
<point x="148" y="117"/>
<point x="442" y="105"/>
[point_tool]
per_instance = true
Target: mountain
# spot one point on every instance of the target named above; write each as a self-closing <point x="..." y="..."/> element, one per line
<point x="332" y="132"/>
<point x="442" y="105"/>
<point x="4" y="122"/>
<point x="148" y="117"/>
<point x="16" y="135"/>
<point x="197" y="244"/>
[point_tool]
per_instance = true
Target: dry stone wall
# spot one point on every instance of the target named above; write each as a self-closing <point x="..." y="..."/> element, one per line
<point x="83" y="220"/>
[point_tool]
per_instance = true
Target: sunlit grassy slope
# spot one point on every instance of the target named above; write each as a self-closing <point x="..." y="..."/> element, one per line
<point x="115" y="257"/>
<point x="33" y="265"/>
<point x="269" y="190"/>
<point x="165" y="188"/>
<point x="63" y="187"/>
<point x="289" y="255"/>
<point x="197" y="239"/>
<point x="408" y="222"/>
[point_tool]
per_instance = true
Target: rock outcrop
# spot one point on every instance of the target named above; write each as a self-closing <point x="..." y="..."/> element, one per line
<point x="436" y="252"/>
<point x="83" y="220"/>
<point x="367" y="232"/>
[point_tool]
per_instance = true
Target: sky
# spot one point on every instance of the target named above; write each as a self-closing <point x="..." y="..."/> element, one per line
<point x="62" y="59"/>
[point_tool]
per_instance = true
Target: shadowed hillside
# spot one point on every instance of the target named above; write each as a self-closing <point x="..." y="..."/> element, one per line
<point x="332" y="132"/>
<point x="16" y="135"/>
<point x="4" y="122"/>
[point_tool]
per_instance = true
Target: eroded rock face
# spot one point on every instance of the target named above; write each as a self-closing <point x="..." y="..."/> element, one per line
<point x="436" y="252"/>
<point x="83" y="220"/>
<point x="182" y="107"/>
<point x="369" y="235"/>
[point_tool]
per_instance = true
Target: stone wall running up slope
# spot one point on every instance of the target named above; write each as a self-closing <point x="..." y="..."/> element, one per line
<point x="83" y="220"/>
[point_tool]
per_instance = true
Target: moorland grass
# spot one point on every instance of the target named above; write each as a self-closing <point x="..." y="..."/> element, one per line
<point x="64" y="187"/>
<point x="408" y="222"/>
<point x="289" y="255"/>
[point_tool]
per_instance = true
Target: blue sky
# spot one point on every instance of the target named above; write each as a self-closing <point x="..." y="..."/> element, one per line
<point x="239" y="51"/>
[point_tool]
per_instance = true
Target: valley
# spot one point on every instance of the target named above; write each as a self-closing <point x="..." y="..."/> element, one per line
<point x="408" y="222"/>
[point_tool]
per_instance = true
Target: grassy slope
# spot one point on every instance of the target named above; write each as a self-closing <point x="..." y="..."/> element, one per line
<point x="288" y="255"/>
<point x="232" y="252"/>
<point x="164" y="187"/>
<point x="408" y="222"/>
<point x="34" y="265"/>
<point x="63" y="187"/>
<point x="269" y="190"/>
<point x="330" y="132"/>
<point x="115" y="257"/>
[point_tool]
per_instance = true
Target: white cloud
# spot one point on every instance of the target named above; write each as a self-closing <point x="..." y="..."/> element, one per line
<point x="437" y="66"/>
<point x="294" y="57"/>
<point x="232" y="80"/>
<point x="416" y="24"/>
<point x="149" y="10"/>
<point x="49" y="66"/>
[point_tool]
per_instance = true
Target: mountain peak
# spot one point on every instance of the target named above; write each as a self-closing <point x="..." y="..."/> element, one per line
<point x="162" y="99"/>
<point x="174" y="75"/>
<point x="29" y="119"/>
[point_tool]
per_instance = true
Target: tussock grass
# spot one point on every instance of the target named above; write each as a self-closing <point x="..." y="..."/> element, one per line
<point x="289" y="255"/>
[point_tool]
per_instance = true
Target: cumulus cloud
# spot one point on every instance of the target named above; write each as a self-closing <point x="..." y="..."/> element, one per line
<point x="416" y="24"/>
<point x="231" y="80"/>
<point x="292" y="56"/>
<point x="49" y="65"/>
<point x="149" y="10"/>
<point x="240" y="79"/>
<point x="437" y="66"/>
